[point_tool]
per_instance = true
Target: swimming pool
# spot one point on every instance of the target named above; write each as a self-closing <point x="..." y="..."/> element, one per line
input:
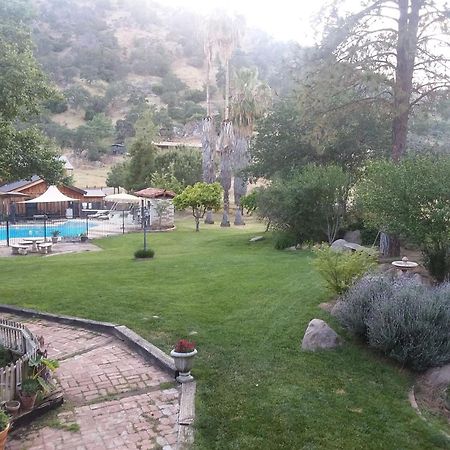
<point x="70" y="228"/>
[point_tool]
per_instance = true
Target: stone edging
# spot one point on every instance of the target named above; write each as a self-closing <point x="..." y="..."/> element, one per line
<point x="415" y="406"/>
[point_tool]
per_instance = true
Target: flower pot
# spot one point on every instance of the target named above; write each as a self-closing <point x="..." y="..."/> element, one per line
<point x="3" y="436"/>
<point x="184" y="363"/>
<point x="55" y="239"/>
<point x="12" y="407"/>
<point x="27" y="401"/>
<point x="83" y="238"/>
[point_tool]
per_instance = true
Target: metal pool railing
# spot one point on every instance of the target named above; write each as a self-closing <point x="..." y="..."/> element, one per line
<point x="18" y="338"/>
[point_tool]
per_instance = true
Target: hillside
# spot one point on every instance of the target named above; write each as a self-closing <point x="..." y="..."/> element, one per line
<point x="111" y="59"/>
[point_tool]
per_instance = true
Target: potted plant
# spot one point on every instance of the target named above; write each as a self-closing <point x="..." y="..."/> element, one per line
<point x="4" y="428"/>
<point x="28" y="392"/>
<point x="183" y="356"/>
<point x="39" y="379"/>
<point x="55" y="234"/>
<point x="83" y="237"/>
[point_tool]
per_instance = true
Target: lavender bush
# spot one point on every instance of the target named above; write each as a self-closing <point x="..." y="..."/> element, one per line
<point x="404" y="319"/>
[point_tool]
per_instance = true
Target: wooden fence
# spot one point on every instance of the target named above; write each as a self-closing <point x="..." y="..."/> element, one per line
<point x="16" y="337"/>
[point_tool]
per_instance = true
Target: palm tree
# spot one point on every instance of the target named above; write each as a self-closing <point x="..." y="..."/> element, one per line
<point x="250" y="100"/>
<point x="209" y="137"/>
<point x="226" y="35"/>
<point x="226" y="145"/>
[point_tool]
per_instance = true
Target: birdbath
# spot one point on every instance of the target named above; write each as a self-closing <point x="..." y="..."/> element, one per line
<point x="404" y="265"/>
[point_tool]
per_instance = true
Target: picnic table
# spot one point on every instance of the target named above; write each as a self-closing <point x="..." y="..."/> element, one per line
<point x="33" y="242"/>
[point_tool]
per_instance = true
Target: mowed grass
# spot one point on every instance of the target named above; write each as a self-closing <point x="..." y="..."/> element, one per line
<point x="249" y="306"/>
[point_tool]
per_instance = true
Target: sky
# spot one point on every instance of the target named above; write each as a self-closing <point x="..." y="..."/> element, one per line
<point x="283" y="19"/>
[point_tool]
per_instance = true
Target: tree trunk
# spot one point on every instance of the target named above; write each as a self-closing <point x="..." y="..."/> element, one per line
<point x="240" y="161"/>
<point x="208" y="72"/>
<point x="209" y="219"/>
<point x="209" y="141"/>
<point x="408" y="24"/>
<point x="238" y="219"/>
<point x="240" y="189"/>
<point x="226" y="209"/>
<point x="226" y="147"/>
<point x="227" y="90"/>
<point x="389" y="245"/>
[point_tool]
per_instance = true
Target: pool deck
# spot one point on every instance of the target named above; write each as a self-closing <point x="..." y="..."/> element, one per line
<point x="61" y="248"/>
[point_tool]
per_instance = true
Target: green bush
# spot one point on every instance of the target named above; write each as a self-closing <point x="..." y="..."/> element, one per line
<point x="143" y="254"/>
<point x="340" y="269"/>
<point x="284" y="239"/>
<point x="411" y="199"/>
<point x="4" y="420"/>
<point x="406" y="320"/>
<point x="436" y="256"/>
<point x="310" y="203"/>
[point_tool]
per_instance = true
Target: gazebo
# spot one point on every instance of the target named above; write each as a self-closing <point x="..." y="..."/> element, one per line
<point x="159" y="203"/>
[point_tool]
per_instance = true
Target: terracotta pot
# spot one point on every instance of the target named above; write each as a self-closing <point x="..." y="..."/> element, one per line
<point x="27" y="401"/>
<point x="3" y="437"/>
<point x="12" y="407"/>
<point x="183" y="363"/>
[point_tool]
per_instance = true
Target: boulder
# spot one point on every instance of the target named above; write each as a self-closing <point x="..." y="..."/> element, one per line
<point x="340" y="245"/>
<point x="320" y="336"/>
<point x="353" y="236"/>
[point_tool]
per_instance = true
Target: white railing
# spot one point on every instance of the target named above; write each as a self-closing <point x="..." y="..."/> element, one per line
<point x="18" y="338"/>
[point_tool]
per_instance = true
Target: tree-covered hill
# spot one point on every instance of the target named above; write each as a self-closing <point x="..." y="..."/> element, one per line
<point x="113" y="58"/>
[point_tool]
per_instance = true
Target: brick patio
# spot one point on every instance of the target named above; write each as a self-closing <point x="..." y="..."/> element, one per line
<point x="114" y="398"/>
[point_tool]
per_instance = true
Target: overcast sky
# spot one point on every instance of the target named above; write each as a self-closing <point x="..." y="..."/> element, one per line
<point x="284" y="19"/>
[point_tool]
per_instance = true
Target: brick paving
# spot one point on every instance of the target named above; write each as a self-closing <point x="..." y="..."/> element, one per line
<point x="114" y="398"/>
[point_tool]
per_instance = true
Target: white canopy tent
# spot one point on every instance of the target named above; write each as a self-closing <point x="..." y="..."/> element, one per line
<point x="51" y="195"/>
<point x="122" y="198"/>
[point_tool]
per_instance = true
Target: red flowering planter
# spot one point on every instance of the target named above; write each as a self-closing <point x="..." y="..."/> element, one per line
<point x="183" y="356"/>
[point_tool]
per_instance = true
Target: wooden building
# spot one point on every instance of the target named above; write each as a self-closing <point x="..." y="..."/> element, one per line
<point x="37" y="186"/>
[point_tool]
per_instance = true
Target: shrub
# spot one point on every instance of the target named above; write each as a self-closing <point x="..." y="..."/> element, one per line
<point x="149" y="253"/>
<point x="284" y="239"/>
<point x="411" y="198"/>
<point x="341" y="269"/>
<point x="437" y="259"/>
<point x="4" y="420"/>
<point x="311" y="203"/>
<point x="404" y="319"/>
<point x="354" y="307"/>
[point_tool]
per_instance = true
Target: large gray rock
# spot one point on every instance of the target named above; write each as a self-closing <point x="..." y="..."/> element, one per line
<point x="353" y="236"/>
<point x="340" y="245"/>
<point x="319" y="336"/>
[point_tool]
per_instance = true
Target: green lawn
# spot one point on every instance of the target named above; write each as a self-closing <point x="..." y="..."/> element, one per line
<point x="249" y="305"/>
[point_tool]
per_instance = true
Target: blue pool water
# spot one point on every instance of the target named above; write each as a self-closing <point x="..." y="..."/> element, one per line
<point x="70" y="228"/>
